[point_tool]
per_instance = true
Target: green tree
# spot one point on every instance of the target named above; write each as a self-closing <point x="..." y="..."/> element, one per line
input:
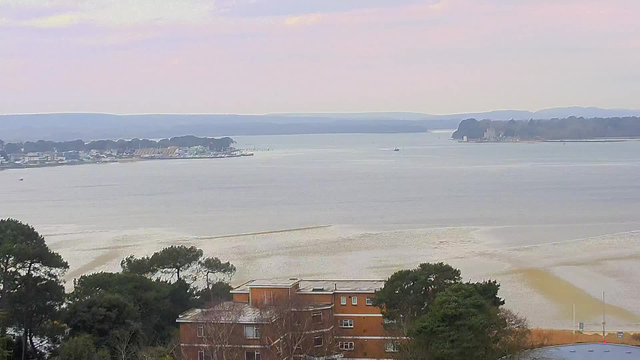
<point x="407" y="294"/>
<point x="82" y="348"/>
<point x="139" y="266"/>
<point x="447" y="319"/>
<point x="101" y="315"/>
<point x="175" y="260"/>
<point x="217" y="292"/>
<point x="172" y="261"/>
<point x="489" y="291"/>
<point x="36" y="308"/>
<point x="28" y="268"/>
<point x="216" y="274"/>
<point x="157" y="302"/>
<point x="461" y="324"/>
<point x="13" y="346"/>
<point x="11" y="148"/>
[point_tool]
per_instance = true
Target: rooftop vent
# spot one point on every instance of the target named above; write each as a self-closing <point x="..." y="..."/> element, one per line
<point x="318" y="288"/>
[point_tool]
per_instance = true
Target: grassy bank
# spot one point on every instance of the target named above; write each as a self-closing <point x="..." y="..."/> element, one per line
<point x="545" y="337"/>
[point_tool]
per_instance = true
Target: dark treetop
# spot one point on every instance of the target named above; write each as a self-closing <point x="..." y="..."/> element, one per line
<point x="124" y="145"/>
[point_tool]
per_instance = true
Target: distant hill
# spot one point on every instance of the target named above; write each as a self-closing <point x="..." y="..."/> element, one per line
<point x="585" y="112"/>
<point x="90" y="126"/>
<point x="545" y="114"/>
<point x="360" y="116"/>
<point x="65" y="127"/>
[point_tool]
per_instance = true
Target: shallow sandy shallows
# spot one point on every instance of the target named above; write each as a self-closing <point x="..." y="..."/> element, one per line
<point x="542" y="282"/>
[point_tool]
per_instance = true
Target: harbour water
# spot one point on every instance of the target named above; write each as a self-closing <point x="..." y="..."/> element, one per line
<point x="555" y="224"/>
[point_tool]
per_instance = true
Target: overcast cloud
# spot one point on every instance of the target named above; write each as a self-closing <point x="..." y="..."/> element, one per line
<point x="260" y="56"/>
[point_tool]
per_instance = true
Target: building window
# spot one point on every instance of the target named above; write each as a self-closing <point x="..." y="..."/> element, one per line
<point x="347" y="346"/>
<point x="343" y="300"/>
<point x="200" y="330"/>
<point x="316" y="318"/>
<point x="391" y="346"/>
<point x="252" y="355"/>
<point x="354" y="300"/>
<point x="346" y="323"/>
<point x="251" y="332"/>
<point x="369" y="301"/>
<point x="317" y="341"/>
<point x="201" y="355"/>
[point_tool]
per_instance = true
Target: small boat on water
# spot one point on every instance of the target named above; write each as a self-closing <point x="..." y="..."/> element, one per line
<point x="396" y="149"/>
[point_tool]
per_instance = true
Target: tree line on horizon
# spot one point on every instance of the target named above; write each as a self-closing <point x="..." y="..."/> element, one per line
<point x="216" y="144"/>
<point x="571" y="128"/>
<point x="132" y="314"/>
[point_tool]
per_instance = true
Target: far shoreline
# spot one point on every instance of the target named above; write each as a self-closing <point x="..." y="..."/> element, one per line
<point x="118" y="161"/>
<point x="535" y="141"/>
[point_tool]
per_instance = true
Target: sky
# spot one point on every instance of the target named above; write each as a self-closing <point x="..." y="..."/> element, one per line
<point x="266" y="56"/>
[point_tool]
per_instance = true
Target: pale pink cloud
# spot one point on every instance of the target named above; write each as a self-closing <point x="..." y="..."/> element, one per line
<point x="449" y="56"/>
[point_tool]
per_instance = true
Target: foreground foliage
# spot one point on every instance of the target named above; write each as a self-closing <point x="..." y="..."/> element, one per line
<point x="32" y="291"/>
<point x="446" y="319"/>
<point x="127" y="315"/>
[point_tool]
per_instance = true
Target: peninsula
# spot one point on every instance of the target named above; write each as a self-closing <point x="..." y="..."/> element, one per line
<point x="571" y="128"/>
<point x="48" y="153"/>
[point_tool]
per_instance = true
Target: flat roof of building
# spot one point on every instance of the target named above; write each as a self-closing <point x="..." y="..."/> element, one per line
<point x="266" y="283"/>
<point x="357" y="286"/>
<point x="595" y="351"/>
<point x="228" y="312"/>
<point x="315" y="286"/>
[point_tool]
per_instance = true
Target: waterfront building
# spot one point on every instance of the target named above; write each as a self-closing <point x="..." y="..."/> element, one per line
<point x="270" y="319"/>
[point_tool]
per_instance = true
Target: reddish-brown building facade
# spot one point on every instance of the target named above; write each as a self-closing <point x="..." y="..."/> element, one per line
<point x="291" y="318"/>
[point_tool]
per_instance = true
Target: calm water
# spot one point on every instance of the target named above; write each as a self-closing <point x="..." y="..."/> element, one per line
<point x="357" y="180"/>
<point x="555" y="224"/>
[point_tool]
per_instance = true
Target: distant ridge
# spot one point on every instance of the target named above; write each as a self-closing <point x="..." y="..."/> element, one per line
<point x="92" y="126"/>
<point x="544" y="114"/>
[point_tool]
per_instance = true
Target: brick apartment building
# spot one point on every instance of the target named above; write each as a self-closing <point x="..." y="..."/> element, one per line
<point x="268" y="320"/>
